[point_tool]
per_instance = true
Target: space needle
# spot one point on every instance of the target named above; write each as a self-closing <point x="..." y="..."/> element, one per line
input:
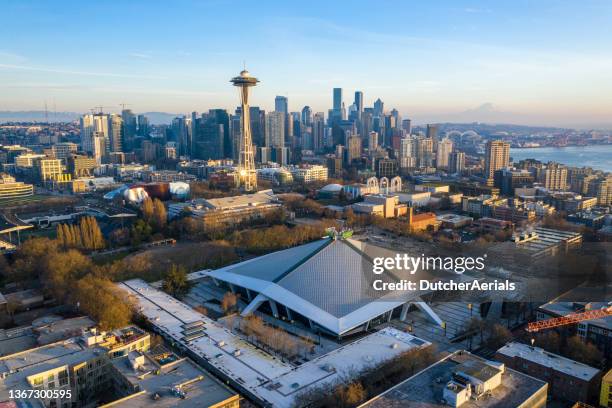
<point x="246" y="160"/>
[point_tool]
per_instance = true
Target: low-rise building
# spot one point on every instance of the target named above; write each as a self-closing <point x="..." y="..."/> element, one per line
<point x="544" y="242"/>
<point x="229" y="210"/>
<point x="11" y="189"/>
<point x="423" y="221"/>
<point x="161" y="379"/>
<point x="309" y="172"/>
<point x="383" y="205"/>
<point x="464" y="380"/>
<point x="568" y="379"/>
<point x="454" y="220"/>
<point x="493" y="225"/>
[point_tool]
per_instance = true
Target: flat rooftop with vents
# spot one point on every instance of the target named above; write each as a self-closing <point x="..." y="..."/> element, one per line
<point x="464" y="380"/>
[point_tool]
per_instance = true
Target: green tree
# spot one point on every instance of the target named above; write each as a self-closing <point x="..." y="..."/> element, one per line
<point x="176" y="282"/>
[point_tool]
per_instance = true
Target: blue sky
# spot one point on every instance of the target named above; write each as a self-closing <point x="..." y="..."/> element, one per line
<point x="540" y="62"/>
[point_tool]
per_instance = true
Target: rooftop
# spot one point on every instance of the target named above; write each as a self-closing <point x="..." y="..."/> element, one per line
<point x="244" y="200"/>
<point x="550" y="360"/>
<point x="262" y="374"/>
<point x="425" y="389"/>
<point x="180" y="383"/>
<point x="293" y="277"/>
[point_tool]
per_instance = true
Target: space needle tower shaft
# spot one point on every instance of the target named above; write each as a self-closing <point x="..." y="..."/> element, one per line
<point x="246" y="160"/>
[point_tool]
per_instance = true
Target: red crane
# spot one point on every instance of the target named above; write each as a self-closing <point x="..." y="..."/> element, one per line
<point x="569" y="319"/>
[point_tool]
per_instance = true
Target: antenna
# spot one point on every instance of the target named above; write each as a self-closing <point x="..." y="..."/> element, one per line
<point x="54" y="111"/>
<point x="46" y="113"/>
<point x="123" y="105"/>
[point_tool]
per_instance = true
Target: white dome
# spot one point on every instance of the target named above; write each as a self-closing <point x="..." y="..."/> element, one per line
<point x="332" y="188"/>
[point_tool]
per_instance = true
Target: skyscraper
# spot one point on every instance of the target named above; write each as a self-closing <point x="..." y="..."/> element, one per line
<point x="281" y="104"/>
<point x="497" y="156"/>
<point x="275" y="129"/>
<point x="379" y="108"/>
<point x="406" y="153"/>
<point x="246" y="161"/>
<point x="90" y="124"/>
<point x="116" y="128"/>
<point x="445" y="147"/>
<point x="359" y="103"/>
<point x="318" y="132"/>
<point x="307" y="116"/>
<point x="337" y="106"/>
<point x="407" y="126"/>
<point x="129" y="129"/>
<point x="180" y="134"/>
<point x="143" y="125"/>
<point x="456" y="162"/>
<point x="432" y="132"/>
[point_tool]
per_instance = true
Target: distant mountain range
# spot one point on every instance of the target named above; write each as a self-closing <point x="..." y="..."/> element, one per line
<point x="156" y="118"/>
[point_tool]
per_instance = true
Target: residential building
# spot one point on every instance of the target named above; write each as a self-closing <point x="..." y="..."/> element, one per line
<point x="456" y="163"/>
<point x="79" y="367"/>
<point x="275" y="129"/>
<point x="567" y="379"/>
<point x="445" y="148"/>
<point x="497" y="156"/>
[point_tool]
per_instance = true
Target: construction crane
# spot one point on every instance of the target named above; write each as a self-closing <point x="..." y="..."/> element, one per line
<point x="123" y="105"/>
<point x="569" y="319"/>
<point x="100" y="108"/>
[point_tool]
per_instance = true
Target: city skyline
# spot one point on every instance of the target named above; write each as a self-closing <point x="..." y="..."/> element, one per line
<point x="547" y="66"/>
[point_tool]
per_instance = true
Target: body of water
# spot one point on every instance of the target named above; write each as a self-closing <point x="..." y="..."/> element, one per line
<point x="597" y="157"/>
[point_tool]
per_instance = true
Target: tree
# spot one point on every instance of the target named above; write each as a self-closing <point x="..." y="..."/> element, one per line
<point x="228" y="303"/>
<point x="176" y="282"/>
<point x="351" y="395"/>
<point x="29" y="262"/>
<point x="160" y="217"/>
<point x="147" y="209"/>
<point x="91" y="235"/>
<point x="549" y="340"/>
<point x="498" y="336"/>
<point x="103" y="301"/>
<point x="140" y="232"/>
<point x="62" y="269"/>
<point x="584" y="352"/>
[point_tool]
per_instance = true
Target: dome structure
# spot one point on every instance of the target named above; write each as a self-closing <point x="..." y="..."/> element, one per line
<point x="332" y="188"/>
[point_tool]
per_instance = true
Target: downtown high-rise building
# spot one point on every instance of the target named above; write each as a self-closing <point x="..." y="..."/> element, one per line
<point x="281" y="104"/>
<point x="358" y="103"/>
<point x="318" y="132"/>
<point x="115" y="131"/>
<point x="554" y="177"/>
<point x="456" y="162"/>
<point x="407" y="156"/>
<point x="90" y="124"/>
<point x="275" y="129"/>
<point x="423" y="151"/>
<point x="307" y="116"/>
<point x="130" y="128"/>
<point x="497" y="156"/>
<point x="143" y="126"/>
<point x="181" y="135"/>
<point x="443" y="151"/>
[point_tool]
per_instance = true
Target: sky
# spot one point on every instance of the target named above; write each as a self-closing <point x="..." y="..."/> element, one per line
<point x="527" y="62"/>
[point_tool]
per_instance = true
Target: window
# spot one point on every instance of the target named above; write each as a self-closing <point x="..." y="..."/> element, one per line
<point x="37" y="381"/>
